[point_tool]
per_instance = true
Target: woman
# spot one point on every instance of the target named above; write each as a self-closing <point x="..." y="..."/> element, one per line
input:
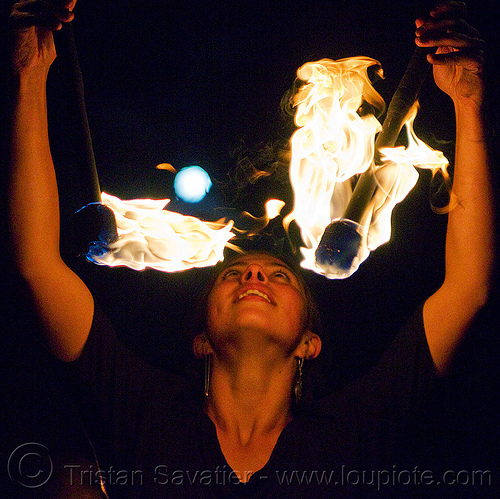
<point x="258" y="328"/>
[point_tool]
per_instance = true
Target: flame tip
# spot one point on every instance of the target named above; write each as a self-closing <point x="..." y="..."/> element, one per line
<point x="166" y="166"/>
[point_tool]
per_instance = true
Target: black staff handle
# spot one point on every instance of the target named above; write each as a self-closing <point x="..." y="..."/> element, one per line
<point x="77" y="132"/>
<point x="94" y="225"/>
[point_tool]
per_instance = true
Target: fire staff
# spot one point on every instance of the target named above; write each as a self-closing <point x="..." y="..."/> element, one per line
<point x="259" y="326"/>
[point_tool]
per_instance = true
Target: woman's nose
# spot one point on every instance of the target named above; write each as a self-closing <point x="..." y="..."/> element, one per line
<point x="254" y="273"/>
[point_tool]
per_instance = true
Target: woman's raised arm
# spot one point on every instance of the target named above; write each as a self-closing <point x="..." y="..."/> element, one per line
<point x="458" y="71"/>
<point x="63" y="302"/>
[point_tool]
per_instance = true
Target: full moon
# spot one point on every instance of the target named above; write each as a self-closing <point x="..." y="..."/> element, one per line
<point x="191" y="184"/>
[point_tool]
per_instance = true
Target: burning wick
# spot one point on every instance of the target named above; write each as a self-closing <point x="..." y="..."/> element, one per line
<point x="339" y="245"/>
<point x="335" y="143"/>
<point x="151" y="237"/>
<point x="341" y="240"/>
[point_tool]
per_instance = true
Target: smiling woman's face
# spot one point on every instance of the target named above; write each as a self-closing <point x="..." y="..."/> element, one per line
<point x="257" y="296"/>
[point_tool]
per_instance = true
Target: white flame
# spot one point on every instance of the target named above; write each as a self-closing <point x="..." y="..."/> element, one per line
<point x="273" y="208"/>
<point x="335" y="142"/>
<point x="150" y="236"/>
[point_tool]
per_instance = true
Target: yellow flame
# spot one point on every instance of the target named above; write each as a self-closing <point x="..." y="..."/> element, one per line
<point x="334" y="143"/>
<point x="273" y="208"/>
<point x="150" y="236"/>
<point x="166" y="166"/>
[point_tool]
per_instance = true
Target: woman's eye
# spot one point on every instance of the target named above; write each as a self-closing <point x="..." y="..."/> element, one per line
<point x="230" y="273"/>
<point x="282" y="275"/>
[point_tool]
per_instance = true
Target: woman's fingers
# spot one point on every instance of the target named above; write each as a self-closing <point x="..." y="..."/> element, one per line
<point x="434" y="29"/>
<point x="40" y="13"/>
<point x="452" y="39"/>
<point x="471" y="61"/>
<point x="455" y="40"/>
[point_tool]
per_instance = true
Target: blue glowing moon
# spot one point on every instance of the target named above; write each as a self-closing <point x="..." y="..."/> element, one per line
<point x="191" y="184"/>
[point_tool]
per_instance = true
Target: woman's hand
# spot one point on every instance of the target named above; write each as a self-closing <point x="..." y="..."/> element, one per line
<point x="458" y="60"/>
<point x="32" y="23"/>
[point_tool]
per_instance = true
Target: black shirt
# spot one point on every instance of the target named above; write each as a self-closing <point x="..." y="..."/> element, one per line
<point x="153" y="439"/>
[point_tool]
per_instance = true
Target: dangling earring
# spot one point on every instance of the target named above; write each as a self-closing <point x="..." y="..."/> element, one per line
<point x="298" y="381"/>
<point x="208" y="367"/>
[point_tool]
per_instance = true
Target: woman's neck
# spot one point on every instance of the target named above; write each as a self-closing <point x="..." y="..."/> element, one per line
<point x="250" y="396"/>
<point x="250" y="403"/>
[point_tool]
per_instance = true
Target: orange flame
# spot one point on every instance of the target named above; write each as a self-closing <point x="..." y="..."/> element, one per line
<point x="334" y="143"/>
<point x="273" y="208"/>
<point x="149" y="236"/>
